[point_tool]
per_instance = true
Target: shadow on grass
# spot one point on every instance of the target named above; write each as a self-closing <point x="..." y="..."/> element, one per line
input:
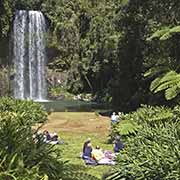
<point x="77" y="172"/>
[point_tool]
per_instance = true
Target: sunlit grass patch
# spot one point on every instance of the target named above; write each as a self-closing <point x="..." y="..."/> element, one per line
<point x="71" y="151"/>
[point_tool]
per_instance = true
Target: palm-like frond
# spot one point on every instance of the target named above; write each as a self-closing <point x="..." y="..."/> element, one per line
<point x="159" y="69"/>
<point x="175" y="29"/>
<point x="169" y="76"/>
<point x="171" y="93"/>
<point x="165" y="33"/>
<point x="127" y="127"/>
<point x="165" y="85"/>
<point x="170" y="83"/>
<point x="155" y="83"/>
<point x="158" y="33"/>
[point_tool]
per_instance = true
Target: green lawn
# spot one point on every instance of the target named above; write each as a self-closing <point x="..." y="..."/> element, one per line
<point x="71" y="151"/>
<point x="65" y="122"/>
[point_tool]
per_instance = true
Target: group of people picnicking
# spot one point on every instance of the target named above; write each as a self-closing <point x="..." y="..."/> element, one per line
<point x="95" y="156"/>
<point x="49" y="138"/>
<point x="98" y="156"/>
<point x="90" y="155"/>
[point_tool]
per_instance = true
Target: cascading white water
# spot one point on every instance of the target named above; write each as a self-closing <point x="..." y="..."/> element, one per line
<point x="29" y="55"/>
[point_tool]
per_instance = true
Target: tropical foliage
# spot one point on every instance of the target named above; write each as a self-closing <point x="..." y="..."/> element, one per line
<point x="24" y="157"/>
<point x="29" y="111"/>
<point x="152" y="152"/>
<point x="130" y="124"/>
<point x="169" y="83"/>
<point x="20" y="156"/>
<point x="114" y="50"/>
<point x="105" y="46"/>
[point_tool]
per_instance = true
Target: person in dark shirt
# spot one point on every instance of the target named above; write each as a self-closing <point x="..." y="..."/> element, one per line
<point x="87" y="153"/>
<point x="87" y="148"/>
<point x="118" y="144"/>
<point x="47" y="136"/>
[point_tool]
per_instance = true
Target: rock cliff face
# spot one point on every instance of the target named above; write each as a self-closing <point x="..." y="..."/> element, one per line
<point x="4" y="52"/>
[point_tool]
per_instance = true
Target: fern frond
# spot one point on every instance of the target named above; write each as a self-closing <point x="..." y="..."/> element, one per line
<point x="170" y="76"/>
<point x="155" y="83"/>
<point x="151" y="72"/>
<point x="158" y="33"/>
<point x="127" y="127"/>
<point x="161" y="116"/>
<point x="160" y="69"/>
<point x="175" y="29"/>
<point x="152" y="113"/>
<point x="165" y="36"/>
<point x="169" y="82"/>
<point x="166" y="85"/>
<point x="171" y="93"/>
<point x="165" y="33"/>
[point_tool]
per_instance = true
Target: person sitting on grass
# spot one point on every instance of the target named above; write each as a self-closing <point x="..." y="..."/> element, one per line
<point x="101" y="157"/>
<point x="86" y="154"/>
<point x="87" y="148"/>
<point x="51" y="138"/>
<point x="47" y="136"/>
<point x="118" y="144"/>
<point x="97" y="153"/>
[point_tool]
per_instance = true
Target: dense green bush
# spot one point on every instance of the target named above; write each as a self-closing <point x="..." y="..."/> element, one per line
<point x="57" y="92"/>
<point x="28" y="111"/>
<point x="23" y="158"/>
<point x="131" y="123"/>
<point x="153" y="151"/>
<point x="20" y="156"/>
<point x="152" y="114"/>
<point x="152" y="154"/>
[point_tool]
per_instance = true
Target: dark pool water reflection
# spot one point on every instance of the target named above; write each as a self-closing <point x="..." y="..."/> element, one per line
<point x="73" y="106"/>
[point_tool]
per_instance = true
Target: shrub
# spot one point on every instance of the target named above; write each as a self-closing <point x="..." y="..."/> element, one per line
<point x="153" y="151"/>
<point x="58" y="92"/>
<point x="20" y="156"/>
<point x="131" y="123"/>
<point x="28" y="111"/>
<point x="125" y="127"/>
<point x="152" y="154"/>
<point x="23" y="159"/>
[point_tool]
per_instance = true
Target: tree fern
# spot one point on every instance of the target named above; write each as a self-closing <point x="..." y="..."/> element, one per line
<point x="159" y="69"/>
<point x="127" y="127"/>
<point x="171" y="93"/>
<point x="165" y="85"/>
<point x="168" y="83"/>
<point x="131" y="123"/>
<point x="155" y="83"/>
<point x="158" y="33"/>
<point x="165" y="33"/>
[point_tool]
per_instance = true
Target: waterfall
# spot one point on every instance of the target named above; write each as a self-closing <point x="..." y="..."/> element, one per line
<point x="29" y="55"/>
